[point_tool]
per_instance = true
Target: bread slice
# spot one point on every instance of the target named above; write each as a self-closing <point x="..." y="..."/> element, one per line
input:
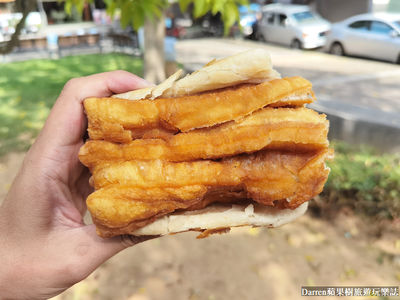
<point x="230" y="109"/>
<point x="217" y="217"/>
<point x="252" y="66"/>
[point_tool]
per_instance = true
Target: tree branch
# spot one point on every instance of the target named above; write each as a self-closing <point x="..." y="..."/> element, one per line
<point x="25" y="7"/>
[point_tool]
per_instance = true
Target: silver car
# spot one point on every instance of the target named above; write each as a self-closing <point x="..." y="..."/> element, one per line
<point x="369" y="35"/>
<point x="292" y="25"/>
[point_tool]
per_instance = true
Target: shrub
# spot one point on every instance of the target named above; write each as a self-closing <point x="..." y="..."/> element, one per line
<point x="364" y="180"/>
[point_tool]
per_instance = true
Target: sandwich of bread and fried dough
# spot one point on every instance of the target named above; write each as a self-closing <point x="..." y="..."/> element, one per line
<point x="231" y="144"/>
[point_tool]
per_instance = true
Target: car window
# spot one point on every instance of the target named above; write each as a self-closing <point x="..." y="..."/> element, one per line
<point x="360" y="25"/>
<point x="264" y="18"/>
<point x="305" y="16"/>
<point x="270" y="18"/>
<point x="267" y="18"/>
<point x="281" y="19"/>
<point x="380" y="28"/>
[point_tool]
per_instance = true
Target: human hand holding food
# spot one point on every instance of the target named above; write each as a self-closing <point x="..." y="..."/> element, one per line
<point x="228" y="145"/>
<point x="45" y="247"/>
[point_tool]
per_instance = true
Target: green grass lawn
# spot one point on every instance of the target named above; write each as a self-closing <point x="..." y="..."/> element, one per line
<point x="28" y="90"/>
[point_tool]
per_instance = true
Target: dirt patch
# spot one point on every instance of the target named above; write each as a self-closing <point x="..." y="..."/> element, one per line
<point x="249" y="263"/>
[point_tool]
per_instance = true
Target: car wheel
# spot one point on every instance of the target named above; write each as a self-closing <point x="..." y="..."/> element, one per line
<point x="296" y="44"/>
<point x="398" y="59"/>
<point x="253" y="35"/>
<point x="259" y="36"/>
<point x="337" y="49"/>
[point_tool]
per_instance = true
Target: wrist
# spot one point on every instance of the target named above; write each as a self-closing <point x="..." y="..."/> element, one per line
<point x="12" y="273"/>
<point x="7" y="276"/>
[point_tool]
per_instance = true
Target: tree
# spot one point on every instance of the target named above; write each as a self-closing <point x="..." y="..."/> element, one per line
<point x="25" y="7"/>
<point x="147" y="13"/>
<point x="150" y="14"/>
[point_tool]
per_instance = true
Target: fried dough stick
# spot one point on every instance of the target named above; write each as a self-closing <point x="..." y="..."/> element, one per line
<point x="119" y="120"/>
<point x="117" y="206"/>
<point x="269" y="128"/>
<point x="272" y="175"/>
<point x="266" y="177"/>
<point x="274" y="165"/>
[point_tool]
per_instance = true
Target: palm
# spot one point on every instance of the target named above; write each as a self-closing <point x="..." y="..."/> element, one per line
<point x="74" y="188"/>
<point x="46" y="247"/>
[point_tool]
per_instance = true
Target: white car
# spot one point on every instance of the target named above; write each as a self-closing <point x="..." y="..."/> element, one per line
<point x="292" y="25"/>
<point x="368" y="35"/>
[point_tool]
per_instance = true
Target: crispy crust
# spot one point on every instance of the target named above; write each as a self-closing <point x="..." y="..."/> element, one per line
<point x="116" y="120"/>
<point x="133" y="194"/>
<point x="229" y="145"/>
<point x="299" y="129"/>
<point x="243" y="169"/>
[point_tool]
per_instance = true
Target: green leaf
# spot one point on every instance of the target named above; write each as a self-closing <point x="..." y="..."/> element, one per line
<point x="230" y="15"/>
<point x="68" y="7"/>
<point x="243" y="2"/>
<point x="183" y="4"/>
<point x="136" y="11"/>
<point x="201" y="7"/>
<point x="218" y="6"/>
<point x="138" y="17"/>
<point x="110" y="7"/>
<point x="153" y="8"/>
<point x="126" y="14"/>
<point x="78" y="4"/>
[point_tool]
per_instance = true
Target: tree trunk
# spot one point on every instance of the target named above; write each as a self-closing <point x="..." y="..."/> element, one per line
<point x="154" y="61"/>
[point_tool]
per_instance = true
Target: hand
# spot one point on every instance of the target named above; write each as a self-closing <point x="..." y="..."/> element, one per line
<point x="45" y="247"/>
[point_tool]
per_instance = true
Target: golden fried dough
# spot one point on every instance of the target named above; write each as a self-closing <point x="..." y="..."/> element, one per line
<point x="268" y="165"/>
<point x="116" y="120"/>
<point x="231" y="144"/>
<point x="283" y="128"/>
<point x="130" y="192"/>
<point x="117" y="206"/>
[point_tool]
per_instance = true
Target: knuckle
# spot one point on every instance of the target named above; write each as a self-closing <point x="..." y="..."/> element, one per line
<point x="71" y="84"/>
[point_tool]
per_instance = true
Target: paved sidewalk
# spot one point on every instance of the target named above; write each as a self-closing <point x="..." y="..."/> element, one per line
<point x="354" y="81"/>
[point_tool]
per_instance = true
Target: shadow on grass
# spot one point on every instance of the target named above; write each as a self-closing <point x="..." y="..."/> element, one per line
<point x="28" y="90"/>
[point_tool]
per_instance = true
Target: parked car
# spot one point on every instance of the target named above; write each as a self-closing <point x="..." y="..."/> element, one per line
<point x="186" y="28"/>
<point x="292" y="25"/>
<point x="248" y="17"/>
<point x="369" y="35"/>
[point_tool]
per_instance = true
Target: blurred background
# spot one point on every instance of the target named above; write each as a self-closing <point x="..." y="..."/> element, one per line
<point x="349" y="50"/>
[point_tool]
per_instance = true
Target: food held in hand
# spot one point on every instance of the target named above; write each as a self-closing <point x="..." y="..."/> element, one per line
<point x="229" y="145"/>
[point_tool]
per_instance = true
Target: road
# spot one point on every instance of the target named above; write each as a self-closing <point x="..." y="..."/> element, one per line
<point x="360" y="83"/>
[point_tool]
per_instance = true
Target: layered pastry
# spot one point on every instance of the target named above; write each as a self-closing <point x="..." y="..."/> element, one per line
<point x="229" y="145"/>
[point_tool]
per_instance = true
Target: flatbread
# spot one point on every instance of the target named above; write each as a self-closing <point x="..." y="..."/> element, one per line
<point x="219" y="216"/>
